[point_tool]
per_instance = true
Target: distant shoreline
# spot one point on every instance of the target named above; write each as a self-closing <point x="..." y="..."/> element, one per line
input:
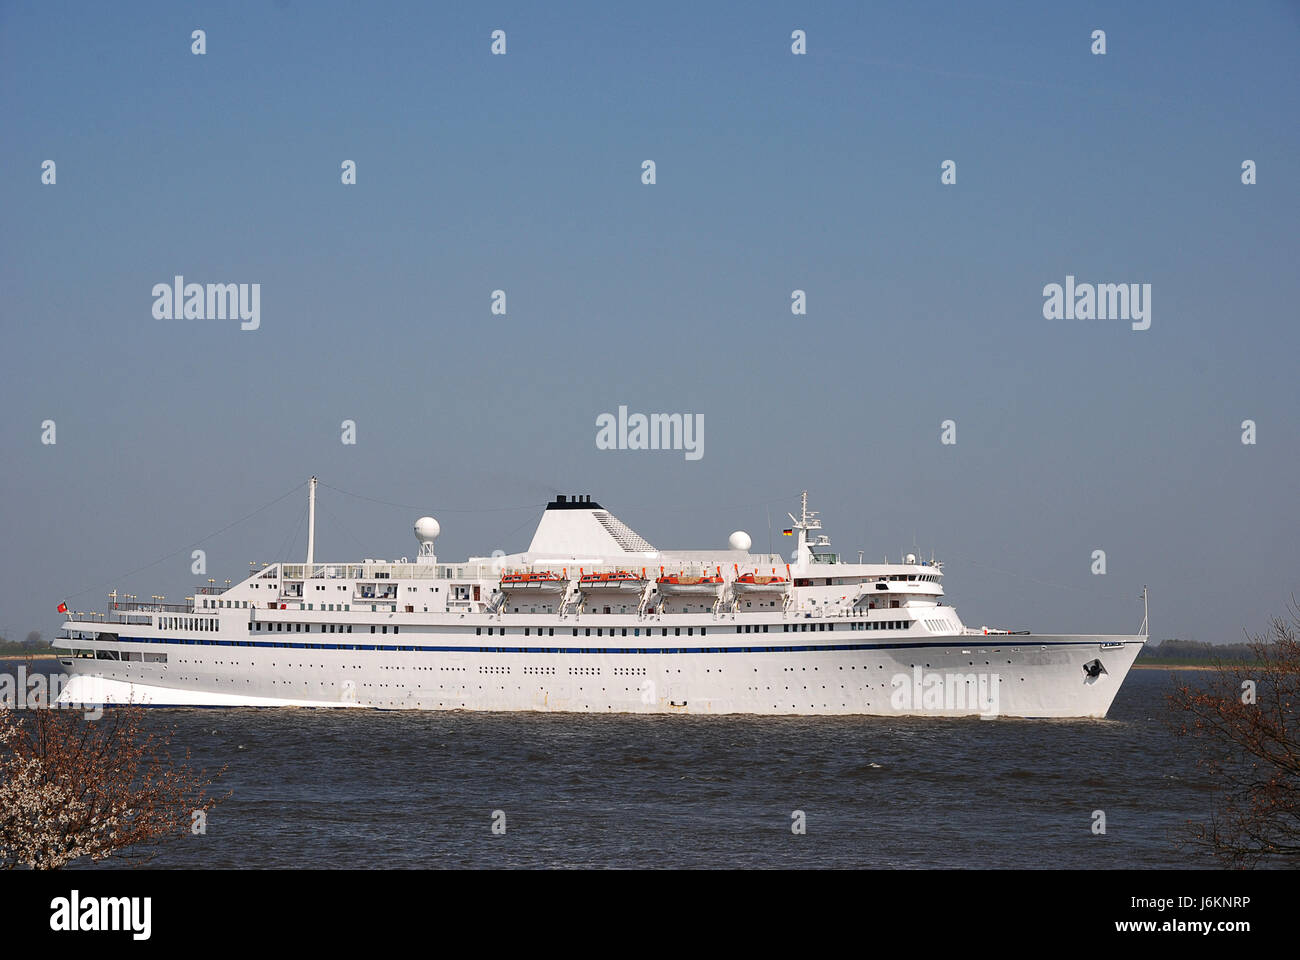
<point x="30" y="656"/>
<point x="1173" y="666"/>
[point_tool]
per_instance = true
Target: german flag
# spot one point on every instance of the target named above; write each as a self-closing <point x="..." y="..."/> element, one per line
<point x="787" y="533"/>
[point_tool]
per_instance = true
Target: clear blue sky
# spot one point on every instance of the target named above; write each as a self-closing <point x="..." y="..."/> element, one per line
<point x="775" y="172"/>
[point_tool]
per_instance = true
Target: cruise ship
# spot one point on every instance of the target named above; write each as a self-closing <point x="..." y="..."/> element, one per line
<point x="591" y="618"/>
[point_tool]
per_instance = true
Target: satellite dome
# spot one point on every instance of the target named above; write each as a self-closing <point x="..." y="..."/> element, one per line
<point x="911" y="558"/>
<point x="426" y="529"/>
<point x="740" y="540"/>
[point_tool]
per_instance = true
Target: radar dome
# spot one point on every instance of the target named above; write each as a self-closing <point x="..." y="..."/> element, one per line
<point x="426" y="529"/>
<point x="911" y="558"/>
<point x="740" y="540"/>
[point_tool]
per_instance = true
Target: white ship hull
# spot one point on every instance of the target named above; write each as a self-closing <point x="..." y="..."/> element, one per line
<point x="834" y="638"/>
<point x="1020" y="676"/>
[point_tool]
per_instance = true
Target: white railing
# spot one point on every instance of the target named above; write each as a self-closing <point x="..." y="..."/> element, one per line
<point x="763" y="563"/>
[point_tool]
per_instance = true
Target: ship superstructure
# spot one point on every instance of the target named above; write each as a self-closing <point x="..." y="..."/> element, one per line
<point x="591" y="617"/>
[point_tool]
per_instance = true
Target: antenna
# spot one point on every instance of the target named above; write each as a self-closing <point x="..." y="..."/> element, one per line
<point x="1144" y="630"/>
<point x="807" y="520"/>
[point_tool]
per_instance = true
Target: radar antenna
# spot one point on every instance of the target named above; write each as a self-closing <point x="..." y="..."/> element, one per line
<point x="807" y="520"/>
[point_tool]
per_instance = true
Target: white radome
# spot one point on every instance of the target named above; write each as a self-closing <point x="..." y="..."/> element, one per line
<point x="740" y="540"/>
<point x="427" y="529"/>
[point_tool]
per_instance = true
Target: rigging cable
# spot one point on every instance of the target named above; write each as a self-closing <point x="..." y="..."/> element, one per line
<point x="337" y="524"/>
<point x="291" y="540"/>
<point x="407" y="506"/>
<point x="1042" y="583"/>
<point x="191" y="546"/>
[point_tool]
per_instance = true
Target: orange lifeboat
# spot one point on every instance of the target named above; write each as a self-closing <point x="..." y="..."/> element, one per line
<point x="681" y="584"/>
<point x="620" y="581"/>
<point x="545" y="582"/>
<point x="755" y="583"/>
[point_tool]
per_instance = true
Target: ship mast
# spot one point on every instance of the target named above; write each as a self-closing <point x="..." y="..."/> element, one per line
<point x="807" y="520"/>
<point x="311" y="523"/>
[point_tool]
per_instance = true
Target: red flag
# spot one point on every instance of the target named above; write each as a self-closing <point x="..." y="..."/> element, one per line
<point x="63" y="608"/>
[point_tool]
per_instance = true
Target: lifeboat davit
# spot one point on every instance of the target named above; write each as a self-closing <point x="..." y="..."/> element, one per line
<point x="680" y="584"/>
<point x="533" y="582"/>
<point x="620" y="581"/>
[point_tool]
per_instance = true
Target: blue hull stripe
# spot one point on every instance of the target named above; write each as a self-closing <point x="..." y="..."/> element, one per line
<point x="967" y="642"/>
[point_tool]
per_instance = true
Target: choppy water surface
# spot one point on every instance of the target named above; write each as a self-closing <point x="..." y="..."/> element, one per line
<point x="387" y="790"/>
